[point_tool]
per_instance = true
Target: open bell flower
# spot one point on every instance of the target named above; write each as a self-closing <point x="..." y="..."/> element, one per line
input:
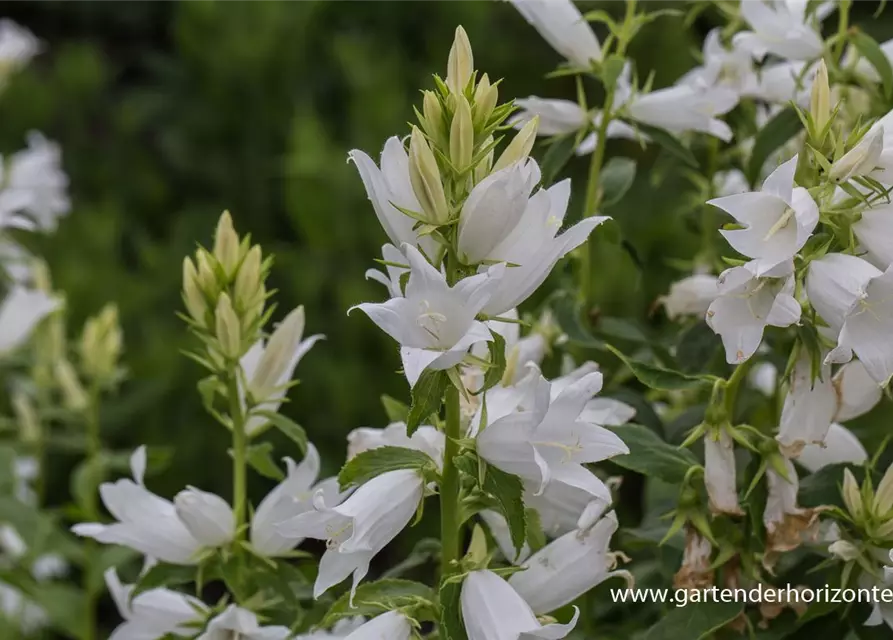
<point x="358" y="528"/>
<point x="269" y="365"/>
<point x="560" y="506"/>
<point x="747" y="304"/>
<point x="857" y="392"/>
<point x="392" y="625"/>
<point x="781" y="83"/>
<point x="728" y="68"/>
<point x="778" y="219"/>
<point x="685" y="108"/>
<point x="568" y="567"/>
<point x="867" y="328"/>
<point x="809" y="408"/>
<point x="155" y="613"/>
<point x="874" y="230"/>
<point x="435" y="323"/>
<point x="493" y="610"/>
<point x="207" y="516"/>
<point x="549" y="442"/>
<point x="780" y="28"/>
<point x="605" y="412"/>
<point x="840" y="446"/>
<point x="560" y="24"/>
<point x="236" y="622"/>
<point x="719" y="472"/>
<point x="20" y="312"/>
<point x="834" y="283"/>
<point x="390" y="277"/>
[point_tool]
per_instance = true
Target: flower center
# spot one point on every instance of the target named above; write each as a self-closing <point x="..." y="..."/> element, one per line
<point x="782" y="222"/>
<point x="430" y="320"/>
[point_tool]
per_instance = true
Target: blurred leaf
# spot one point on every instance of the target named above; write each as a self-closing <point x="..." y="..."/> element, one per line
<point x="427" y="396"/>
<point x="568" y="312"/>
<point x="291" y="429"/>
<point x="784" y="126"/>
<point x="374" y="462"/>
<point x="651" y="456"/>
<point x="616" y="178"/>
<point x="823" y="487"/>
<point x="560" y="151"/>
<point x="696" y="347"/>
<point x="657" y="377"/>
<point x="497" y="361"/>
<point x="260" y="457"/>
<point x="669" y="143"/>
<point x="164" y="575"/>
<point x="374" y="598"/>
<point x="85" y="481"/>
<point x="868" y="47"/>
<point x="396" y="411"/>
<point x="695" y="621"/>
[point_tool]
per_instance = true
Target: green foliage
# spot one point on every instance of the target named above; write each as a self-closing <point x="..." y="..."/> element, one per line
<point x="427" y="396"/>
<point x="369" y="464"/>
<point x="651" y="456"/>
<point x="380" y="596"/>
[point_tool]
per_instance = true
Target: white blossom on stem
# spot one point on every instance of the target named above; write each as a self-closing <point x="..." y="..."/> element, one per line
<point x="840" y="446"/>
<point x="728" y="68"/>
<point x="779" y="28"/>
<point x="20" y="312"/>
<point x="867" y="328"/>
<point x="684" y="108"/>
<point x="560" y="24"/>
<point x="719" y="472"/>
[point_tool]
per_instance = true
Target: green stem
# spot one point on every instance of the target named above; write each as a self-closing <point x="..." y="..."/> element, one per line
<point x="843" y="23"/>
<point x="94" y="450"/>
<point x="732" y="386"/>
<point x="450" y="528"/>
<point x="240" y="454"/>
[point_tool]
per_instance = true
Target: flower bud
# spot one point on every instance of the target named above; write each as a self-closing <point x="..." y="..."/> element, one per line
<point x="483" y="168"/>
<point x="226" y="245"/>
<point x="432" y="112"/>
<point x="192" y="294"/>
<point x="26" y="416"/>
<point x="883" y="499"/>
<point x="248" y="290"/>
<point x="228" y="328"/>
<point x="461" y="135"/>
<point x="520" y="146"/>
<point x="101" y="345"/>
<point x="207" y="279"/>
<point x="486" y="96"/>
<point x="852" y="497"/>
<point x="861" y="159"/>
<point x="74" y="397"/>
<point x="461" y="62"/>
<point x="820" y="101"/>
<point x="207" y="516"/>
<point x="278" y="355"/>
<point x="425" y="178"/>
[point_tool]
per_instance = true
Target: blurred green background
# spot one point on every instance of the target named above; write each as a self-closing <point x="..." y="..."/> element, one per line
<point x="170" y="112"/>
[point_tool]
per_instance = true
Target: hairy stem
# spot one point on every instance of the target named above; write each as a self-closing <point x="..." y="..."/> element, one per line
<point x="240" y="453"/>
<point x="94" y="451"/>
<point x="450" y="529"/>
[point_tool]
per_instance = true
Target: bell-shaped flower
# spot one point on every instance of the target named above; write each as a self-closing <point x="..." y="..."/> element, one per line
<point x="605" y="412"/>
<point x="207" y="516"/>
<point x="568" y="567"/>
<point x="684" y="108"/>
<point x="144" y="521"/>
<point x="560" y="24"/>
<point x="532" y="248"/>
<point x="20" y="312"/>
<point x="550" y="442"/>
<point x="786" y="523"/>
<point x="834" y="283"/>
<point x="358" y="528"/>
<point x="722" y="67"/>
<point x="392" y="625"/>
<point x="720" y="475"/>
<point x="268" y="366"/>
<point x="494" y="208"/>
<point x="809" y="407"/>
<point x="840" y="446"/>
<point x="34" y="194"/>
<point x="502" y="535"/>
<point x="746" y="305"/>
<point x="690" y="296"/>
<point x="435" y="323"/>
<point x="781" y="83"/>
<point x="493" y="610"/>
<point x="390" y="278"/>
<point x="564" y="117"/>
<point x="778" y="219"/>
<point x="868" y="325"/>
<point x="865" y="159"/>
<point x="695" y="571"/>
<point x="389" y="188"/>
<point x="291" y="497"/>
<point x="236" y="622"/>
<point x="425" y="438"/>
<point x="17" y="47"/>
<point x="779" y="28"/>
<point x="857" y="392"/>
<point x="155" y="613"/>
<point x="874" y="230"/>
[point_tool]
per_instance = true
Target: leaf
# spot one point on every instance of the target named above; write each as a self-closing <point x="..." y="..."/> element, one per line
<point x="774" y="135"/>
<point x="508" y="491"/>
<point x="869" y="48"/>
<point x="560" y="151"/>
<point x="164" y="575"/>
<point x="380" y="596"/>
<point x="8" y="481"/>
<point x="657" y="377"/>
<point x="261" y="460"/>
<point x="823" y="486"/>
<point x="670" y="143"/>
<point x="497" y="361"/>
<point x="568" y="312"/>
<point x="85" y="482"/>
<point x="427" y="396"/>
<point x="651" y="456"/>
<point x="695" y="621"/>
<point x="616" y="178"/>
<point x="395" y="410"/>
<point x="696" y="347"/>
<point x="369" y="464"/>
<point x="291" y="429"/>
<point x="451" y="611"/>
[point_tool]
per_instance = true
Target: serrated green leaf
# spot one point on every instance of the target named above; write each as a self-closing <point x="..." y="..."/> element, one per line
<point x="291" y="429"/>
<point x="774" y="135"/>
<point x="871" y="50"/>
<point x="651" y="456"/>
<point x="451" y="611"/>
<point x="374" y="598"/>
<point x="260" y="457"/>
<point x="657" y="377"/>
<point x="616" y="178"/>
<point x="695" y="621"/>
<point x="395" y="410"/>
<point x="427" y="396"/>
<point x="369" y="464"/>
<point x="508" y="491"/>
<point x="497" y="361"/>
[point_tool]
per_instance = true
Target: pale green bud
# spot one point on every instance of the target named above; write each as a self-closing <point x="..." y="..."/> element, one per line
<point x="226" y="245"/>
<point x="101" y="345"/>
<point x="852" y="497"/>
<point x="249" y="291"/>
<point x="74" y="396"/>
<point x="844" y="550"/>
<point x="483" y="168"/>
<point x="279" y="355"/>
<point x="425" y="178"/>
<point x="461" y="135"/>
<point x="461" y="62"/>
<point x="40" y="275"/>
<point x="432" y="112"/>
<point x="885" y="531"/>
<point x="26" y="416"/>
<point x="883" y="499"/>
<point x="820" y="100"/>
<point x="228" y="328"/>
<point x="207" y="279"/>
<point x="486" y="96"/>
<point x="192" y="294"/>
<point x="520" y="146"/>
